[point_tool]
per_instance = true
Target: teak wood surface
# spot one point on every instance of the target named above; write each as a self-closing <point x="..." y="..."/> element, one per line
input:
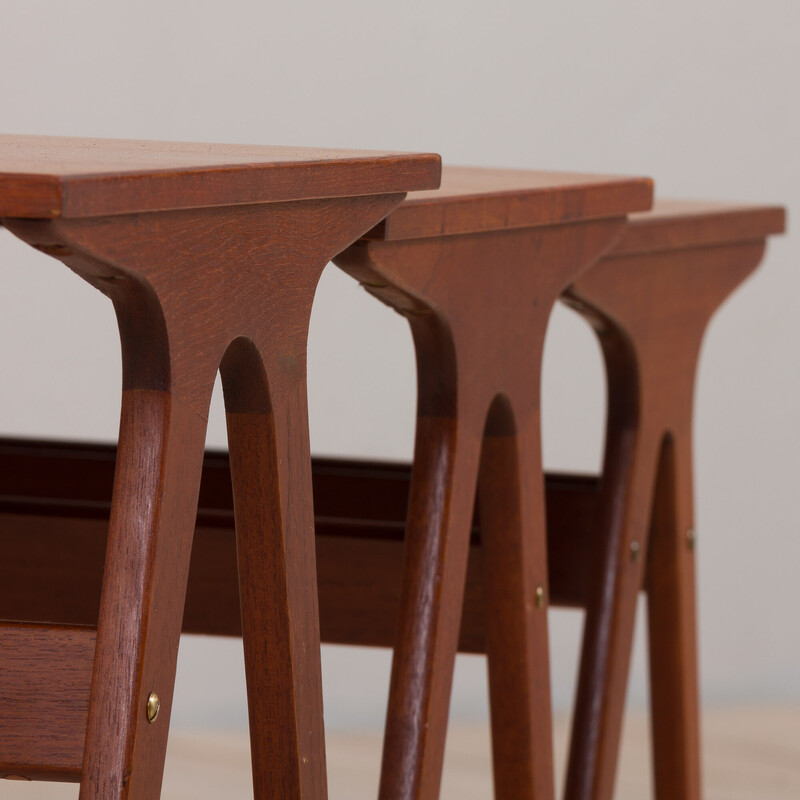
<point x="650" y="301"/>
<point x="49" y="176"/>
<point x="476" y="269"/>
<point x="198" y="286"/>
<point x="54" y="522"/>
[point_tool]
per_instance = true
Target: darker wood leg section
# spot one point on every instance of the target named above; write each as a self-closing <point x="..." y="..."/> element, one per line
<point x="516" y="597"/>
<point x="672" y="630"/>
<point x="609" y="625"/>
<point x="435" y="563"/>
<point x="147" y="565"/>
<point x="271" y="471"/>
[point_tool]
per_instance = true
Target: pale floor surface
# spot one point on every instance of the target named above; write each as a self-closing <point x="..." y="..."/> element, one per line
<point x="747" y="754"/>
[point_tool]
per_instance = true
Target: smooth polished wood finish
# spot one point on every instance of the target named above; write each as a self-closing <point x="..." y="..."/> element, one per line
<point x="54" y="523"/>
<point x="683" y="224"/>
<point x="197" y="289"/>
<point x="478" y="305"/>
<point x="45" y="678"/>
<point x="49" y="176"/>
<point x="650" y="302"/>
<point x="476" y="200"/>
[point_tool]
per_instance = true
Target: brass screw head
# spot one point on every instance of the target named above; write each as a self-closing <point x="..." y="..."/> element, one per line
<point x="540" y="596"/>
<point x="635" y="551"/>
<point x="153" y="707"/>
<point x="690" y="538"/>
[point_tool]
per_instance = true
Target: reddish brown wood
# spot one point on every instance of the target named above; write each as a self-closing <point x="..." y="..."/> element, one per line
<point x="189" y="286"/>
<point x="650" y="304"/>
<point x="681" y="224"/>
<point x="270" y="467"/>
<point x="45" y="690"/>
<point x="478" y="307"/>
<point x="515" y="598"/>
<point x="56" y="541"/>
<point x="50" y="176"/>
<point x="475" y="199"/>
<point x="672" y="626"/>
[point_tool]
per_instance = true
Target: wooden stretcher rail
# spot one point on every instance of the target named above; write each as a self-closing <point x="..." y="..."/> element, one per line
<point x="55" y="501"/>
<point x="45" y="672"/>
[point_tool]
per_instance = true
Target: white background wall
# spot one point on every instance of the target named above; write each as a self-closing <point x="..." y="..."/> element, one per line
<point x="701" y="95"/>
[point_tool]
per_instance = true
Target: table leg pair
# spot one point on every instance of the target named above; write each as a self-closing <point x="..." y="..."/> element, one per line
<point x="194" y="291"/>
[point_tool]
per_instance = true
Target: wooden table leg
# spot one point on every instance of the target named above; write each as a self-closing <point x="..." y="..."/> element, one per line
<point x="672" y="627"/>
<point x="185" y="285"/>
<point x="516" y="591"/>
<point x="271" y="471"/>
<point x="147" y="559"/>
<point x="434" y="565"/>
<point x="478" y="307"/>
<point x="650" y="310"/>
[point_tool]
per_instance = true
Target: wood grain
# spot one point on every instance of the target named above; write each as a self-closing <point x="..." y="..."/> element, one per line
<point x="54" y="530"/>
<point x="476" y="199"/>
<point x="679" y="224"/>
<point x="47" y="176"/>
<point x="44" y="686"/>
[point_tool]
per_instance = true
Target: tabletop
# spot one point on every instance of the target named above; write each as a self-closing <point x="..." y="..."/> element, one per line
<point x="46" y="177"/>
<point x="476" y="199"/>
<point x="676" y="224"/>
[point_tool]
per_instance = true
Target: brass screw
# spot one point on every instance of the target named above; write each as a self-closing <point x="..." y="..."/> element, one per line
<point x="690" y="538"/>
<point x="540" y="596"/>
<point x="635" y="551"/>
<point x="153" y="707"/>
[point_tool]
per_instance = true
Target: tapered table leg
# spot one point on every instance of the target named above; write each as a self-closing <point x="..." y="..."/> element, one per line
<point x="271" y="471"/>
<point x="435" y="561"/>
<point x="516" y="591"/>
<point x="672" y="626"/>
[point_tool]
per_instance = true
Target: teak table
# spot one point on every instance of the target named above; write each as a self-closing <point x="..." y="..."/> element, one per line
<point x="650" y="301"/>
<point x="476" y="267"/>
<point x="211" y="256"/>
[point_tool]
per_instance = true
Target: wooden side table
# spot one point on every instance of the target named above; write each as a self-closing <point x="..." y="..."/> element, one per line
<point x="211" y="256"/>
<point x="476" y="268"/>
<point x="650" y="302"/>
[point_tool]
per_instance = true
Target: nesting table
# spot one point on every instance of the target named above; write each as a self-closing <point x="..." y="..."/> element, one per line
<point x="211" y="255"/>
